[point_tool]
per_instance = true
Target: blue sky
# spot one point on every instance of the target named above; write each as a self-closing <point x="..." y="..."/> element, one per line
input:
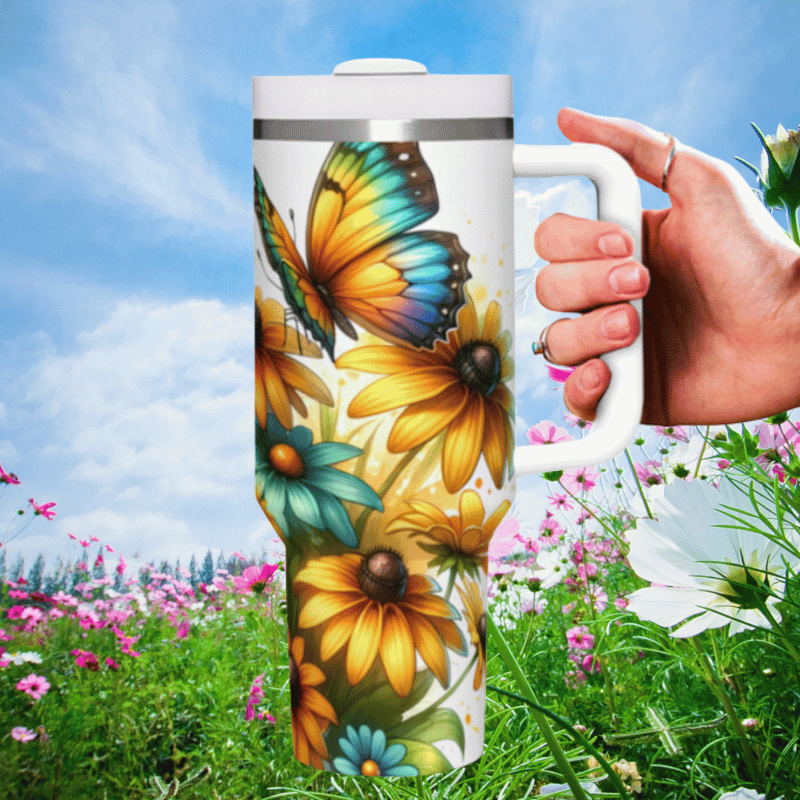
<point x="126" y="284"/>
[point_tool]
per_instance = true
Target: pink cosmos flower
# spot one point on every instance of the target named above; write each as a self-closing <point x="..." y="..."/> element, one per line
<point x="34" y="685"/>
<point x="546" y="432"/>
<point x="503" y="541"/>
<point x="94" y="539"/>
<point x="17" y="594"/>
<point x="83" y="542"/>
<point x="560" y="501"/>
<point x="576" y="422"/>
<point x="559" y="374"/>
<point x="648" y="473"/>
<point x="254" y="580"/>
<point x="266" y="715"/>
<point x="676" y="433"/>
<point x="109" y="548"/>
<point x="574" y="679"/>
<point x="85" y="659"/>
<point x="580" y="479"/>
<point x="43" y="510"/>
<point x="7" y="477"/>
<point x="590" y="665"/>
<point x="579" y="638"/>
<point x="112" y="664"/>
<point x="550" y="530"/>
<point x="22" y="734"/>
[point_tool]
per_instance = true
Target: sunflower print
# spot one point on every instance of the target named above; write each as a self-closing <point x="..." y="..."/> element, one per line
<point x="372" y="604"/>
<point x="476" y="622"/>
<point x="279" y="378"/>
<point x="311" y="712"/>
<point x="460" y="542"/>
<point x="459" y="387"/>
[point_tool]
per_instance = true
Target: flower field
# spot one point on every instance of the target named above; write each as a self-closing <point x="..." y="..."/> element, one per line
<point x="644" y="632"/>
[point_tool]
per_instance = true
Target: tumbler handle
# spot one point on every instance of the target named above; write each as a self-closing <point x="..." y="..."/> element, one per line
<point x="620" y="409"/>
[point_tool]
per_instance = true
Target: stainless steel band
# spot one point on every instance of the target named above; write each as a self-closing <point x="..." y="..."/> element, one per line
<point x="383" y="130"/>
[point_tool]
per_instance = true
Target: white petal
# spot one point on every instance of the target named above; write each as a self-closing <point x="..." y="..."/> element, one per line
<point x="666" y="605"/>
<point x="700" y="624"/>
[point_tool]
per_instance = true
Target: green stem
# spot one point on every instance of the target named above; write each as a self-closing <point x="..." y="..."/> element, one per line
<point x="791" y="212"/>
<point x="421" y="793"/>
<point x="450" y="583"/>
<point x="719" y="691"/>
<point x="702" y="450"/>
<point x="638" y="483"/>
<point x="541" y="720"/>
<point x="572" y="733"/>
<point x="778" y="628"/>
<point x="609" y="530"/>
<point x="384" y="487"/>
<point x="452" y="688"/>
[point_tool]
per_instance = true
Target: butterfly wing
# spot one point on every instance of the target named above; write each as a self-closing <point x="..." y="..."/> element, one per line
<point x="298" y="289"/>
<point x="403" y="286"/>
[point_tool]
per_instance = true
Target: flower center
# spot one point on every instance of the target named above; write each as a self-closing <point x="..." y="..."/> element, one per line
<point x="369" y="767"/>
<point x="383" y="577"/>
<point x="294" y="682"/>
<point x="258" y="328"/>
<point x="286" y="460"/>
<point x="746" y="588"/>
<point x="482" y="631"/>
<point x="258" y="587"/>
<point x="478" y="365"/>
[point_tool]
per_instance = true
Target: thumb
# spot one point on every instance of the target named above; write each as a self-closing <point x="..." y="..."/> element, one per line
<point x="645" y="149"/>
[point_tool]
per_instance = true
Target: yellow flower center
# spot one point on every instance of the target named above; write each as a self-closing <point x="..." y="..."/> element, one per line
<point x="478" y="365"/>
<point x="286" y="460"/>
<point x="383" y="577"/>
<point x="369" y="767"/>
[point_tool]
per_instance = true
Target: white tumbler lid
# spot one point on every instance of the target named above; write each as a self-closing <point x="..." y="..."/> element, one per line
<point x="382" y="89"/>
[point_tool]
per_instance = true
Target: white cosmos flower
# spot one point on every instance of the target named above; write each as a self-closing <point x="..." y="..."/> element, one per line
<point x="693" y="560"/>
<point x="552" y="567"/>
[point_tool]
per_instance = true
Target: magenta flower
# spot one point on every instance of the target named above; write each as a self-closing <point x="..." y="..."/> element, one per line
<point x="559" y="374"/>
<point x="560" y="501"/>
<point x="579" y="638"/>
<point x="85" y="659"/>
<point x="17" y="594"/>
<point x="647" y="473"/>
<point x="8" y="477"/>
<point x="503" y="541"/>
<point x="43" y="510"/>
<point x="580" y="479"/>
<point x="112" y="664"/>
<point x="551" y="530"/>
<point x="34" y="685"/>
<point x="109" y="548"/>
<point x="576" y="422"/>
<point x="676" y="433"/>
<point x="22" y="734"/>
<point x="590" y="665"/>
<point x="546" y="432"/>
<point x="254" y="579"/>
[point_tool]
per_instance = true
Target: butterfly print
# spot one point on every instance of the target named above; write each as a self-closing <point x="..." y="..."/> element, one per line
<point x="363" y="263"/>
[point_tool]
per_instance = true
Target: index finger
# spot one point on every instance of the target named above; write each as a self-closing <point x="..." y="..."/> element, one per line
<point x="643" y="148"/>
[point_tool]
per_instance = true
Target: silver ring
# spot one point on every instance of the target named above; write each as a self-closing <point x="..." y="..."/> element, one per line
<point x="668" y="164"/>
<point x="540" y="347"/>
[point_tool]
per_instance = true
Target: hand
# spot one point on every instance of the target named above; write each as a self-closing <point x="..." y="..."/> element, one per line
<point x="722" y="314"/>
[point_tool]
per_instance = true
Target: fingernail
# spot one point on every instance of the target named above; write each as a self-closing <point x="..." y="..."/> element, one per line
<point x="627" y="279"/>
<point x="614" y="244"/>
<point x="615" y="325"/>
<point x="590" y="377"/>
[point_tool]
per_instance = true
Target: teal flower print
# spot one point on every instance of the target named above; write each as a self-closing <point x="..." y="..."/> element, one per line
<point x="297" y="486"/>
<point x="366" y="753"/>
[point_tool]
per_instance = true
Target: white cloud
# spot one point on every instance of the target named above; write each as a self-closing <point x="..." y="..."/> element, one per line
<point x="119" y="120"/>
<point x="157" y="398"/>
